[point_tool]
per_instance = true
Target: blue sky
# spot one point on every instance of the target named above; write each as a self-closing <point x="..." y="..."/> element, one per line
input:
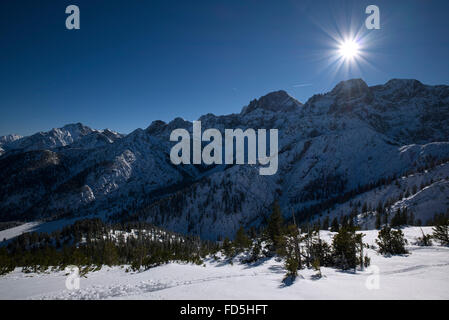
<point x="136" y="61"/>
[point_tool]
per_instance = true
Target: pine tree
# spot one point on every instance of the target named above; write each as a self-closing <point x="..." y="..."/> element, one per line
<point x="378" y="220"/>
<point x="318" y="251"/>
<point x="441" y="233"/>
<point x="317" y="267"/>
<point x="291" y="252"/>
<point x="228" y="248"/>
<point x="379" y="208"/>
<point x="364" y="261"/>
<point x="396" y="221"/>
<point x="364" y="207"/>
<point x="241" y="240"/>
<point x="291" y="265"/>
<point x="386" y="218"/>
<point x="344" y="246"/>
<point x="326" y="223"/>
<point x="111" y="257"/>
<point x="391" y="241"/>
<point x="293" y="243"/>
<point x="252" y="233"/>
<point x="274" y="227"/>
<point x="411" y="219"/>
<point x="335" y="227"/>
<point x="344" y="221"/>
<point x="256" y="251"/>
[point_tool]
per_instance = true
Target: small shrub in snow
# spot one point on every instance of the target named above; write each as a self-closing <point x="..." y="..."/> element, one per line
<point x="425" y="240"/>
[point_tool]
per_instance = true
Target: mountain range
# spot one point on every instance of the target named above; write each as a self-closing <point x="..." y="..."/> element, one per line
<point x="345" y="151"/>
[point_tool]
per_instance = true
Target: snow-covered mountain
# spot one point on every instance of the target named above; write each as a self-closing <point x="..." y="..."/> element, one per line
<point x="336" y="147"/>
<point x="6" y="140"/>
<point x="9" y="138"/>
<point x="77" y="134"/>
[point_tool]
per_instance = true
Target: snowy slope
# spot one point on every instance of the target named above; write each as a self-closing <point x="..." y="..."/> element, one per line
<point x="423" y="274"/>
<point x="428" y="193"/>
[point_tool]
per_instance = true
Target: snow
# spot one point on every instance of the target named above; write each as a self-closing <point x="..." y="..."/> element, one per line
<point x="39" y="226"/>
<point x="8" y="234"/>
<point x="422" y="274"/>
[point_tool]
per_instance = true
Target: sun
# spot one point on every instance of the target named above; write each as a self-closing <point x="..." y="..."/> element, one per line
<point x="349" y="49"/>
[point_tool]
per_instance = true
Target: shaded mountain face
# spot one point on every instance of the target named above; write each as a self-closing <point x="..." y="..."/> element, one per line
<point x="334" y="148"/>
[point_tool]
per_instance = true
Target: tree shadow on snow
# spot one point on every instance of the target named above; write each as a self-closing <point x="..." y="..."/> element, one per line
<point x="288" y="281"/>
<point x="277" y="269"/>
<point x="256" y="263"/>
<point x="349" y="271"/>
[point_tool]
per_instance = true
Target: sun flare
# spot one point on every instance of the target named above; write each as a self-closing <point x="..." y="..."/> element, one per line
<point x="349" y="49"/>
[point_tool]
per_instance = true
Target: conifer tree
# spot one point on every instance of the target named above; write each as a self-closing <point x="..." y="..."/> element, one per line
<point x="411" y="219"/>
<point x="291" y="252"/>
<point x="344" y="246"/>
<point x="227" y="248"/>
<point x="326" y="223"/>
<point x="274" y="227"/>
<point x="256" y="251"/>
<point x="379" y="208"/>
<point x="293" y="244"/>
<point x="364" y="261"/>
<point x="335" y="227"/>
<point x="441" y="232"/>
<point x="378" y="220"/>
<point x="391" y="241"/>
<point x="320" y="251"/>
<point x="291" y="265"/>
<point x="399" y="219"/>
<point x="386" y="218"/>
<point x="241" y="240"/>
<point x="317" y="267"/>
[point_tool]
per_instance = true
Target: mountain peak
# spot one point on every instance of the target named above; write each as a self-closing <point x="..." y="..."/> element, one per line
<point x="273" y="101"/>
<point x="156" y="127"/>
<point x="352" y="88"/>
<point x="401" y="84"/>
<point x="397" y="81"/>
<point x="75" y="126"/>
